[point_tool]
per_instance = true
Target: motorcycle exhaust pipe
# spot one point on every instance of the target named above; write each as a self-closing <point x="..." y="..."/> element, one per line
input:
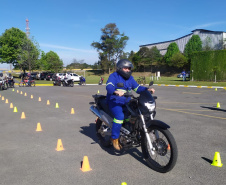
<point x="102" y="115"/>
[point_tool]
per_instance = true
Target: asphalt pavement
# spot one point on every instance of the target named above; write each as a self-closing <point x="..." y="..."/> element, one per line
<point x="29" y="157"/>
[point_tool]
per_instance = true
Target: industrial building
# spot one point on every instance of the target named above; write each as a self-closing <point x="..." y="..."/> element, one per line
<point x="215" y="39"/>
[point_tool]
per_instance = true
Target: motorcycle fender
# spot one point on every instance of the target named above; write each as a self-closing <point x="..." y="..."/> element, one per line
<point x="158" y="123"/>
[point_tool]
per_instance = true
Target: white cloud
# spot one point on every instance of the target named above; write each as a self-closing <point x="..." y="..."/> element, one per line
<point x="66" y="48"/>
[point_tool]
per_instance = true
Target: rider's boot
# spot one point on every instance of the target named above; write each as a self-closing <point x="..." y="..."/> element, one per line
<point x="116" y="144"/>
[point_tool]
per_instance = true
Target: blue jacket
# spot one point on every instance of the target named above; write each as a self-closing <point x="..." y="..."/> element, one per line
<point x="129" y="84"/>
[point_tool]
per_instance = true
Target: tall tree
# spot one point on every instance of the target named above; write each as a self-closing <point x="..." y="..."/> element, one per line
<point x="194" y="44"/>
<point x="111" y="45"/>
<point x="11" y="42"/>
<point x="54" y="63"/>
<point x="171" y="50"/>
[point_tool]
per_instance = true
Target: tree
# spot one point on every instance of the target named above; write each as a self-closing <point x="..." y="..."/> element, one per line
<point x="11" y="42"/>
<point x="178" y="60"/>
<point x="29" y="54"/>
<point x="207" y="44"/>
<point x="154" y="55"/>
<point x="194" y="44"/>
<point x="171" y="50"/>
<point x="54" y="63"/>
<point x="111" y="45"/>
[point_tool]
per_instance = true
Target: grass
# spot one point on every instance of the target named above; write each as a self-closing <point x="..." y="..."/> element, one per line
<point x="94" y="79"/>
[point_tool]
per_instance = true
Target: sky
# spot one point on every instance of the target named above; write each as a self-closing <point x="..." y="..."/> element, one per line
<point x="68" y="27"/>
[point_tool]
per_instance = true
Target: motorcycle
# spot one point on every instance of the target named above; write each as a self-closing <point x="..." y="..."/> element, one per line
<point x="57" y="82"/>
<point x="82" y="81"/>
<point x="69" y="83"/>
<point x="11" y="82"/>
<point x="157" y="143"/>
<point x="101" y="81"/>
<point x="3" y="84"/>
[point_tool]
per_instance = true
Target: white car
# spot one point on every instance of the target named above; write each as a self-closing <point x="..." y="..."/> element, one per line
<point x="74" y="76"/>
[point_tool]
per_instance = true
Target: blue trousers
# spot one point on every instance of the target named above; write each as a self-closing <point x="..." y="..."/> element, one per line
<point x="120" y="113"/>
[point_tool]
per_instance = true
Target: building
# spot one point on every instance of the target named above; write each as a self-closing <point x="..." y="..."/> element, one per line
<point x="215" y="39"/>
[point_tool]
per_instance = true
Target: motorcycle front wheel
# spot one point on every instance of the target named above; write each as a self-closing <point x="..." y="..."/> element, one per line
<point x="103" y="133"/>
<point x="165" y="149"/>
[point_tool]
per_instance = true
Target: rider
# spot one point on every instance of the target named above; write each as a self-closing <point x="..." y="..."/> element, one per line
<point x="115" y="99"/>
<point x="29" y="77"/>
<point x="67" y="77"/>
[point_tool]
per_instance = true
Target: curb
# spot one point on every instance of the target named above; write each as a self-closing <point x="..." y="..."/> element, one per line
<point x="210" y="87"/>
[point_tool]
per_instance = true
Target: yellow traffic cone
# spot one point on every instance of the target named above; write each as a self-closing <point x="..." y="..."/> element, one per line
<point x="11" y="105"/>
<point x="98" y="91"/>
<point x="17" y="91"/>
<point x="25" y="94"/>
<point x="31" y="96"/>
<point x="39" y="99"/>
<point x="85" y="164"/>
<point x="0" y="95"/>
<point x="48" y="103"/>
<point x="15" y="109"/>
<point x="57" y="106"/>
<point x="23" y="115"/>
<point x="215" y="89"/>
<point x="123" y="183"/>
<point x="59" y="145"/>
<point x="13" y="90"/>
<point x="72" y="111"/>
<point x="218" y="105"/>
<point x="3" y="98"/>
<point x="217" y="160"/>
<point x="21" y="92"/>
<point x="6" y="101"/>
<point x="39" y="128"/>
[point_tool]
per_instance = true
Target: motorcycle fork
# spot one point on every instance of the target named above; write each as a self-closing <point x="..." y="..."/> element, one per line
<point x="146" y="134"/>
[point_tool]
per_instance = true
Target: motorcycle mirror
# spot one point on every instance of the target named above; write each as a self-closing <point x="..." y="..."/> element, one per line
<point x="151" y="83"/>
<point x="120" y="84"/>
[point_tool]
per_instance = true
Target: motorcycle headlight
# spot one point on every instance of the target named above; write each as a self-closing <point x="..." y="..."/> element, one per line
<point x="150" y="106"/>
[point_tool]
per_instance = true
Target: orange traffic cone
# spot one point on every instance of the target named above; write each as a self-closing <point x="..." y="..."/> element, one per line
<point x="85" y="164"/>
<point x="39" y="128"/>
<point x="59" y="145"/>
<point x="17" y="91"/>
<point x="48" y="103"/>
<point x="72" y="111"/>
<point x="6" y="101"/>
<point x="11" y="105"/>
<point x="23" y="115"/>
<point x="168" y="147"/>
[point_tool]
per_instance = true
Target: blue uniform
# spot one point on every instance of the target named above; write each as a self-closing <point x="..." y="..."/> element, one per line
<point x="117" y="103"/>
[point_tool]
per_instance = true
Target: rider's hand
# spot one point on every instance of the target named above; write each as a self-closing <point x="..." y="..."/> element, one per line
<point x="152" y="90"/>
<point x="120" y="93"/>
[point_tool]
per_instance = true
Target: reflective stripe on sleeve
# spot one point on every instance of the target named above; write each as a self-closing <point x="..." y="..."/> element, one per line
<point x="109" y="84"/>
<point x="136" y="88"/>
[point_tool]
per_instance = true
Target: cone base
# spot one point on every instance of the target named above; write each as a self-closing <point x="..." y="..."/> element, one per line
<point x="85" y="170"/>
<point x="61" y="149"/>
<point x="217" y="165"/>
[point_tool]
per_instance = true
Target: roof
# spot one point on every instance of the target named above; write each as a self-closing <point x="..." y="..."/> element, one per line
<point x="201" y="30"/>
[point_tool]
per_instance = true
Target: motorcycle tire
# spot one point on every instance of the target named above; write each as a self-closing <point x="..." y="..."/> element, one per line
<point x="104" y="140"/>
<point x="33" y="84"/>
<point x="165" y="149"/>
<point x="72" y="84"/>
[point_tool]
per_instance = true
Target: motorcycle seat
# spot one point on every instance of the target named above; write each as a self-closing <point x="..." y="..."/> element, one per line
<point x="104" y="105"/>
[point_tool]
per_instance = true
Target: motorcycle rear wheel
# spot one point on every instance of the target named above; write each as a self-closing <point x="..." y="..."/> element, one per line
<point x="165" y="156"/>
<point x="103" y="139"/>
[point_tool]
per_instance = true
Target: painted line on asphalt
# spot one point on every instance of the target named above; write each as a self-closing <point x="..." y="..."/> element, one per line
<point x="190" y="93"/>
<point x="203" y="115"/>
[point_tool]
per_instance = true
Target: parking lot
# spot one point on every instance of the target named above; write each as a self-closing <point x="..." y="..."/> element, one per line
<point x="29" y="157"/>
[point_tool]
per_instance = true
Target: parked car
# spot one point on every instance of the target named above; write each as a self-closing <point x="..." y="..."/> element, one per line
<point x="34" y="75"/>
<point x="23" y="75"/>
<point x="181" y="76"/>
<point x="75" y="77"/>
<point x="49" y="76"/>
<point x="43" y="75"/>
